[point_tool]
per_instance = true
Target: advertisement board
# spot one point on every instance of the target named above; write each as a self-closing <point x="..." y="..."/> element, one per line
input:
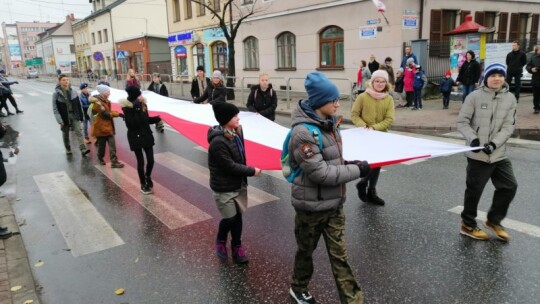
<point x="13" y="44"/>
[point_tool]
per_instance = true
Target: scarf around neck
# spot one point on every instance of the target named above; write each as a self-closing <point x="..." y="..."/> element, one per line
<point x="376" y="95"/>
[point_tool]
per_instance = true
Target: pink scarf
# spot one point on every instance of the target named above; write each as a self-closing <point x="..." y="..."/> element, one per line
<point x="376" y="95"/>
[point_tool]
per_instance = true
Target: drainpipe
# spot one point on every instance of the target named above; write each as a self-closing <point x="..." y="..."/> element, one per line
<point x="421" y="18"/>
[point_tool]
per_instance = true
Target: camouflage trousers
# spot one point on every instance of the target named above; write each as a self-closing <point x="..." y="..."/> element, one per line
<point x="308" y="228"/>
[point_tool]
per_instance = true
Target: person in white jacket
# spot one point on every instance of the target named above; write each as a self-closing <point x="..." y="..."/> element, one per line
<point x="487" y="120"/>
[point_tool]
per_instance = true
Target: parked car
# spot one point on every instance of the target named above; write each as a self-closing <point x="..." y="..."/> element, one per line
<point x="32" y="74"/>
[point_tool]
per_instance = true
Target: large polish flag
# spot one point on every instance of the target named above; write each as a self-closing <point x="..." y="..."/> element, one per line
<point x="264" y="138"/>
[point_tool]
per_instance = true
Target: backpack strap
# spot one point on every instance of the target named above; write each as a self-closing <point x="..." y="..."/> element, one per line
<point x="316" y="133"/>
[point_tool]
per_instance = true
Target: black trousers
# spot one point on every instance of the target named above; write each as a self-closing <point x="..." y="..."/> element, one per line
<point x="536" y="97"/>
<point x="502" y="177"/>
<point x="140" y="163"/>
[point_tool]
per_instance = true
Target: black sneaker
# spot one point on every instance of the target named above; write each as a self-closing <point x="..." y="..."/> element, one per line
<point x="19" y="111"/>
<point x="10" y="113"/>
<point x="149" y="182"/>
<point x="117" y="165"/>
<point x="302" y="297"/>
<point x="145" y="189"/>
<point x="102" y="162"/>
<point x="85" y="152"/>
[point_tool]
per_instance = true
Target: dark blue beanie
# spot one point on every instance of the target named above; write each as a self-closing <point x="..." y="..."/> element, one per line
<point x="320" y="90"/>
<point x="494" y="68"/>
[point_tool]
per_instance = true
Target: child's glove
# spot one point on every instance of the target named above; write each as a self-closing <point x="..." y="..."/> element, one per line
<point x="489" y="148"/>
<point x="475" y="143"/>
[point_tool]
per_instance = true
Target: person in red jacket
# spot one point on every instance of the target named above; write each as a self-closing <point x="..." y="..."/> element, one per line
<point x="408" y="82"/>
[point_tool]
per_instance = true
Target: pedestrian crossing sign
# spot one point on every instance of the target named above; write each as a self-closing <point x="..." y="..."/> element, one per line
<point x="120" y="55"/>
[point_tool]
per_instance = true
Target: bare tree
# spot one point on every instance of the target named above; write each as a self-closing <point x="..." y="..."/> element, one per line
<point x="229" y="26"/>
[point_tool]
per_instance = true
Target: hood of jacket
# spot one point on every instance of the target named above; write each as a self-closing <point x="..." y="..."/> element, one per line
<point x="125" y="103"/>
<point x="215" y="131"/>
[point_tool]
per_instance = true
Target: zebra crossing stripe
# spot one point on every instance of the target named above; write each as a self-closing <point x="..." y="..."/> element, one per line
<point x="507" y="223"/>
<point x="200" y="175"/>
<point x="82" y="226"/>
<point x="172" y="210"/>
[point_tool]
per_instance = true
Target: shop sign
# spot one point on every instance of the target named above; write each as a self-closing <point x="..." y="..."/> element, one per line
<point x="180" y="38"/>
<point x="180" y="52"/>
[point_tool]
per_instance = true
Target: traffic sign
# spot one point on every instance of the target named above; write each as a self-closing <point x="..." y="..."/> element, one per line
<point x="121" y="55"/>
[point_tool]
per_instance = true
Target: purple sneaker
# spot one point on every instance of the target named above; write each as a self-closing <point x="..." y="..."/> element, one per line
<point x="221" y="251"/>
<point x="239" y="255"/>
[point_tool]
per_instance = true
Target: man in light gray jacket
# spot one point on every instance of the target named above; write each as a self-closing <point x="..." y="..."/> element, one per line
<point x="487" y="119"/>
<point x="318" y="192"/>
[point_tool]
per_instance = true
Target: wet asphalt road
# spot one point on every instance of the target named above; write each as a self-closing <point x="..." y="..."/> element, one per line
<point x="408" y="251"/>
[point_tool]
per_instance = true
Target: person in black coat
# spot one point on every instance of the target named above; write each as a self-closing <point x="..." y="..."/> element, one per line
<point x="7" y="84"/>
<point x="228" y="178"/>
<point x="215" y="92"/>
<point x="157" y="85"/>
<point x="199" y="83"/>
<point x="515" y="61"/>
<point x="139" y="134"/>
<point x="263" y="99"/>
<point x="373" y="65"/>
<point x="469" y="74"/>
<point x="533" y="67"/>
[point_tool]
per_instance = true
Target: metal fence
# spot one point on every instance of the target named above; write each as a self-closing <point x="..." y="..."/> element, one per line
<point x="287" y="89"/>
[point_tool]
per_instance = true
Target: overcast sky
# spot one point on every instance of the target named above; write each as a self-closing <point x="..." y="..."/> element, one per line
<point x="42" y="10"/>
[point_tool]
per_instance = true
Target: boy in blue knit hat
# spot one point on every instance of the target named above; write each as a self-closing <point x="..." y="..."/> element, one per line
<point x="318" y="191"/>
<point x="487" y="119"/>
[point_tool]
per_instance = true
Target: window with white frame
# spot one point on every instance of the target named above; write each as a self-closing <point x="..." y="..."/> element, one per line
<point x="251" y="53"/>
<point x="286" y="50"/>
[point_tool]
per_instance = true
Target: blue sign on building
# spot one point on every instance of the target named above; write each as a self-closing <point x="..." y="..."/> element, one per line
<point x="121" y="55"/>
<point x="180" y="38"/>
<point x="98" y="56"/>
<point x="180" y="52"/>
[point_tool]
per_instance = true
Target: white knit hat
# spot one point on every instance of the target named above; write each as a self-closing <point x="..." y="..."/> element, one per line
<point x="103" y="89"/>
<point x="380" y="74"/>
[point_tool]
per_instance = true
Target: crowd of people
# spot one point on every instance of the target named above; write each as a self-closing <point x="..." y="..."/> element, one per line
<point x="317" y="192"/>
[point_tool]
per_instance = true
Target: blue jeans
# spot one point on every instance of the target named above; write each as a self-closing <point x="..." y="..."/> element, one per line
<point x="418" y="98"/>
<point x="467" y="89"/>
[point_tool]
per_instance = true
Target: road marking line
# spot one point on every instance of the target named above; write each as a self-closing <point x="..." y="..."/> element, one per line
<point x="201" y="175"/>
<point x="82" y="226"/>
<point x="33" y="94"/>
<point x="18" y="95"/>
<point x="171" y="209"/>
<point x="507" y="223"/>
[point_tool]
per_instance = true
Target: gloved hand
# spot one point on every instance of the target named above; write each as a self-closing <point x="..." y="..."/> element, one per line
<point x="489" y="148"/>
<point x="475" y="143"/>
<point x="106" y="115"/>
<point x="362" y="165"/>
<point x="16" y="82"/>
<point x="121" y="115"/>
<point x="136" y="104"/>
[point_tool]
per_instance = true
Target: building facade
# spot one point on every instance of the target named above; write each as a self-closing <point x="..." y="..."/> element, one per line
<point x="19" y="41"/>
<point x="195" y="38"/>
<point x="140" y="36"/>
<point x="288" y="39"/>
<point x="56" y="47"/>
<point x="133" y="31"/>
<point x="83" y="51"/>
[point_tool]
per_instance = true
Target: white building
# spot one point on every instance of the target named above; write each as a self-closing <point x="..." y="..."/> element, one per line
<point x="55" y="46"/>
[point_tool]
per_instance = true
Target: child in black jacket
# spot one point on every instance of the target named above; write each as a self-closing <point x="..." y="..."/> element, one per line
<point x="446" y="88"/>
<point x="228" y="178"/>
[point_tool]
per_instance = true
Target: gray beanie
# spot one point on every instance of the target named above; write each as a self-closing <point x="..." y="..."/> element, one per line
<point x="103" y="89"/>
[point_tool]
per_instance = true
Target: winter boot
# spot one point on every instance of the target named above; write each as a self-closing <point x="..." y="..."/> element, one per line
<point x="362" y="187"/>
<point x="373" y="198"/>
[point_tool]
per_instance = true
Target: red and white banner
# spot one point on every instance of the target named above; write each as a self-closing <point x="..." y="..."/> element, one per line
<point x="264" y="138"/>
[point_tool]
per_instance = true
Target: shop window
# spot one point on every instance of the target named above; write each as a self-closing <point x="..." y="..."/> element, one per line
<point x="219" y="56"/>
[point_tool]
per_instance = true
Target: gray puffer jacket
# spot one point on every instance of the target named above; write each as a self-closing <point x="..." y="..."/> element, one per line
<point x="321" y="185"/>
<point x="491" y="117"/>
